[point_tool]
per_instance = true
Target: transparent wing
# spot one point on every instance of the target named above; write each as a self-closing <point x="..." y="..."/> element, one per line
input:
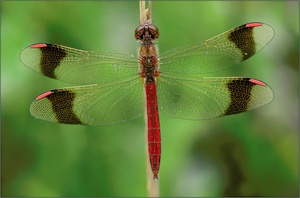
<point x="94" y="105"/>
<point x="206" y="98"/>
<point x="78" y="66"/>
<point x="220" y="52"/>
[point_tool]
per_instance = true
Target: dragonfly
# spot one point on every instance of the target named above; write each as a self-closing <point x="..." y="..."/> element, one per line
<point x="113" y="88"/>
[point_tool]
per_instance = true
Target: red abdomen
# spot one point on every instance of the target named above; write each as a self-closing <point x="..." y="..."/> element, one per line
<point x="154" y="146"/>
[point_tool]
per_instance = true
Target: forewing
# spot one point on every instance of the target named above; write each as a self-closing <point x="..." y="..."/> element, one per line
<point x="94" y="105"/>
<point x="78" y="66"/>
<point x="220" y="52"/>
<point x="207" y="98"/>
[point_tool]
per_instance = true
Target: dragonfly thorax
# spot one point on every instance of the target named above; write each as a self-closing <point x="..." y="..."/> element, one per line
<point x="148" y="61"/>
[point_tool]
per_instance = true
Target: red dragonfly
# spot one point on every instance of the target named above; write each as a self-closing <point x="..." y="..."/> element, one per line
<point x="117" y="88"/>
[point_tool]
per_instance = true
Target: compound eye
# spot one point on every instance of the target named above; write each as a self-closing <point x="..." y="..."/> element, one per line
<point x="139" y="32"/>
<point x="153" y="30"/>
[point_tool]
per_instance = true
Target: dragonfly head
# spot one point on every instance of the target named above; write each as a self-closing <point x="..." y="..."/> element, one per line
<point x="146" y="32"/>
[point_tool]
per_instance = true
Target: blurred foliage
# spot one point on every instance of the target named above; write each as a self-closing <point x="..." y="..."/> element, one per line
<point x="251" y="154"/>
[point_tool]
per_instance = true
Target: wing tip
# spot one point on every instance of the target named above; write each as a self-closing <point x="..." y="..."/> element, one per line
<point x="261" y="24"/>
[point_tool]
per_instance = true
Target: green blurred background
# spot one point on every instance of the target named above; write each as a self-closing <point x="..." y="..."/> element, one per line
<point x="250" y="154"/>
